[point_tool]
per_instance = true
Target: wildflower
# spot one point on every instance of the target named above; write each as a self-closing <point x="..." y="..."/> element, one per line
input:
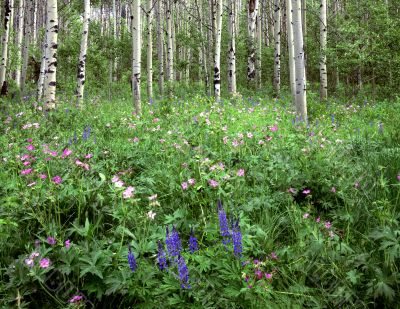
<point x="30" y="147"/>
<point x="356" y="185"/>
<point x="115" y="179"/>
<point x="240" y="172"/>
<point x="318" y="220"/>
<point x="306" y="191"/>
<point x="261" y="142"/>
<point x="88" y="156"/>
<point x="237" y="240"/>
<point x="131" y="260"/>
<point x="153" y="197"/>
<point x="273" y="256"/>
<point x="235" y="143"/>
<point x="274" y="128"/>
<point x="136" y="139"/>
<point x="292" y="190"/>
<point x="57" y="180"/>
<point x="183" y="273"/>
<point x="223" y="224"/>
<point x="258" y="274"/>
<point x="66" y="153"/>
<point x="173" y="243"/>
<point x="306" y="215"/>
<point x="42" y="176"/>
<point x="192" y="181"/>
<point x="333" y="190"/>
<point x="31" y="184"/>
<point x="27" y="171"/>
<point x="29" y="262"/>
<point x="268" y="275"/>
<point x="162" y="260"/>
<point x="119" y="184"/>
<point x="398" y="177"/>
<point x="44" y="263"/>
<point x="328" y="225"/>
<point x="193" y="246"/>
<point x="250" y="135"/>
<point x="331" y="234"/>
<point x="213" y="183"/>
<point x="75" y="299"/>
<point x="184" y="185"/>
<point x="34" y="255"/>
<point x="51" y="240"/>
<point x="67" y="244"/>
<point x="128" y="192"/>
<point x="151" y="215"/>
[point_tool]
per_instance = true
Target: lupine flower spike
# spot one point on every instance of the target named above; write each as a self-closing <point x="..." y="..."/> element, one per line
<point x="162" y="260"/>
<point x="237" y="239"/>
<point x="131" y="260"/>
<point x="223" y="224"/>
<point x="183" y="273"/>
<point x="193" y="246"/>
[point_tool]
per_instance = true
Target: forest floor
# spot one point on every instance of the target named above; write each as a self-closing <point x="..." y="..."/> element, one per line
<point x="309" y="212"/>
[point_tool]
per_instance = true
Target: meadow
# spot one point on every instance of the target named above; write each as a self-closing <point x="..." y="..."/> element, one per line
<point x="197" y="204"/>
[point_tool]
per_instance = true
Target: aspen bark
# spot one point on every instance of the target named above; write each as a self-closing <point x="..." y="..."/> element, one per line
<point x="251" y="60"/>
<point x="50" y="80"/>
<point x="300" y="97"/>
<point x="81" y="77"/>
<point x="8" y="7"/>
<point x="323" y="41"/>
<point x="42" y="69"/>
<point x="21" y="10"/>
<point x="170" y="51"/>
<point x="149" y="50"/>
<point x="136" y="55"/>
<point x="259" y="50"/>
<point x="27" y="38"/>
<point x="232" y="49"/>
<point x="217" y="55"/>
<point x="160" y="54"/>
<point x="277" y="38"/>
<point x="292" y="73"/>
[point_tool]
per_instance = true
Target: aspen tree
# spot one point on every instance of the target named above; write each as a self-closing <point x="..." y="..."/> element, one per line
<point x="217" y="55"/>
<point x="300" y="97"/>
<point x="170" y="52"/>
<point x="292" y="77"/>
<point x="323" y="42"/>
<point x="136" y="55"/>
<point x="251" y="23"/>
<point x="160" y="45"/>
<point x="232" y="49"/>
<point x="277" y="39"/>
<point x="81" y="76"/>
<point x="259" y="50"/>
<point x="8" y="7"/>
<point x="27" y="39"/>
<point x="21" y="9"/>
<point x="50" y="80"/>
<point x="149" y="50"/>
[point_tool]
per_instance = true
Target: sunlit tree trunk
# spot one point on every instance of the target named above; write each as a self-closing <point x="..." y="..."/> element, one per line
<point x="277" y="39"/>
<point x="232" y="49"/>
<point x="42" y="69"/>
<point x="21" y="9"/>
<point x="259" y="50"/>
<point x="8" y="7"/>
<point x="114" y="29"/>
<point x="217" y="56"/>
<point x="81" y="77"/>
<point x="50" y="79"/>
<point x="292" y="72"/>
<point x="149" y="50"/>
<point x="29" y="28"/>
<point x="203" y="50"/>
<point x="33" y="8"/>
<point x="136" y="55"/>
<point x="160" y="54"/>
<point x="323" y="41"/>
<point x="300" y="97"/>
<point x="170" y="51"/>
<point x="252" y="11"/>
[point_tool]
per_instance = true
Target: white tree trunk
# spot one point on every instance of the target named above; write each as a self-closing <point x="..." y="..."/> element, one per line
<point x="217" y="55"/>
<point x="232" y="49"/>
<point x="27" y="39"/>
<point x="149" y="50"/>
<point x="277" y="39"/>
<point x="323" y="41"/>
<point x="42" y="69"/>
<point x="170" y="48"/>
<point x="21" y="10"/>
<point x="114" y="29"/>
<point x="300" y="98"/>
<point x="8" y="7"/>
<point x="292" y="72"/>
<point x="33" y="9"/>
<point x="50" y="79"/>
<point x="136" y="55"/>
<point x="160" y="50"/>
<point x="259" y="49"/>
<point x="251" y="60"/>
<point x="81" y="77"/>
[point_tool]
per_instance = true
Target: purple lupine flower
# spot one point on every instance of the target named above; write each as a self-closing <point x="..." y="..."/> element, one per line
<point x="162" y="260"/>
<point x="173" y="243"/>
<point x="193" y="246"/>
<point x="183" y="273"/>
<point x="131" y="260"/>
<point x="237" y="239"/>
<point x="223" y="223"/>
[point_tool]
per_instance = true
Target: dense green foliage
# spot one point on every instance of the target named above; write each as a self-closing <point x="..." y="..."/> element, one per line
<point x="336" y="244"/>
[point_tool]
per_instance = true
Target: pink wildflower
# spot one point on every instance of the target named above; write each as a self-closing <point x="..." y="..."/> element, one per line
<point x="192" y="181"/>
<point x="333" y="190"/>
<point x="88" y="156"/>
<point x="151" y="215"/>
<point x="136" y="139"/>
<point x="292" y="190"/>
<point x="26" y="172"/>
<point x="119" y="184"/>
<point x="66" y="153"/>
<point x="75" y="299"/>
<point x="51" y="240"/>
<point x="306" y="215"/>
<point x="27" y="163"/>
<point x="213" y="183"/>
<point x="44" y="263"/>
<point x="398" y="177"/>
<point x="249" y="135"/>
<point x="128" y="192"/>
<point x="67" y="244"/>
<point x="328" y="225"/>
<point x="318" y="220"/>
<point x="152" y="197"/>
<point x="307" y="191"/>
<point x="274" y="256"/>
<point x="184" y="185"/>
<point x="261" y="142"/>
<point x="115" y="179"/>
<point x="240" y="172"/>
<point x="268" y="276"/>
<point x="57" y="180"/>
<point x="30" y="147"/>
<point x="42" y="176"/>
<point x="225" y="140"/>
<point x="274" y="128"/>
<point x="29" y="262"/>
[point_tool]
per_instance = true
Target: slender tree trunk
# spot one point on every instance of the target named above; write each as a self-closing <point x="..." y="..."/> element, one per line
<point x="8" y="7"/>
<point x="277" y="38"/>
<point x="33" y="8"/>
<point x="50" y="79"/>
<point x="149" y="50"/>
<point x="114" y="29"/>
<point x="300" y="98"/>
<point x="170" y="51"/>
<point x="21" y="10"/>
<point x="203" y="50"/>
<point x="323" y="41"/>
<point x="217" y="56"/>
<point x="81" y="77"/>
<point x="232" y="49"/>
<point x="136" y="57"/>
<point x="251" y="60"/>
<point x="42" y="69"/>
<point x="160" y="54"/>
<point x="29" y="5"/>
<point x="292" y="73"/>
<point x="259" y="50"/>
